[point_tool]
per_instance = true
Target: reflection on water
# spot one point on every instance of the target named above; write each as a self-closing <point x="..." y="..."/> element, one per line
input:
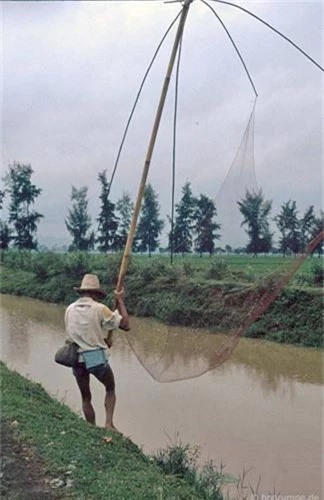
<point x="260" y="410"/>
<point x="179" y="352"/>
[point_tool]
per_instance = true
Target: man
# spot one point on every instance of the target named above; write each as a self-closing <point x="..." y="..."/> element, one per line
<point x="89" y="324"/>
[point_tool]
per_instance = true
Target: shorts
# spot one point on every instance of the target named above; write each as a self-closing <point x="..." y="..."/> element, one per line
<point x="98" y="371"/>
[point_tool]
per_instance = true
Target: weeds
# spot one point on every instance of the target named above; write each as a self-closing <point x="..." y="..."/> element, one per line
<point x="181" y="460"/>
<point x="218" y="269"/>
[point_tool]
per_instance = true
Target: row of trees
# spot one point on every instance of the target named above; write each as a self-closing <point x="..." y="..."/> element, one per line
<point x="195" y="226"/>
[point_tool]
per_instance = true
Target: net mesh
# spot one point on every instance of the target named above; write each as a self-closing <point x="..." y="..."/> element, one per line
<point x="168" y="354"/>
<point x="240" y="178"/>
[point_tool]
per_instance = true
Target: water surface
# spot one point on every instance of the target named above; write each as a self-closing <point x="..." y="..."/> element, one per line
<point x="259" y="411"/>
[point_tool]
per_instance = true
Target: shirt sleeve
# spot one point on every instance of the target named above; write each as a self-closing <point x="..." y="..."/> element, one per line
<point x="110" y="319"/>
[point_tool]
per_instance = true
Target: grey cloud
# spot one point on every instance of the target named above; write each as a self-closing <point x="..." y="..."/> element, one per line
<point x="72" y="70"/>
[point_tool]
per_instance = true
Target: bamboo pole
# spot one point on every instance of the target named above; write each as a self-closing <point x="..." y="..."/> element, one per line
<point x="130" y="238"/>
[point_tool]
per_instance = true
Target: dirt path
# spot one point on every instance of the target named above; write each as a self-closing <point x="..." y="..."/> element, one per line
<point x="23" y="475"/>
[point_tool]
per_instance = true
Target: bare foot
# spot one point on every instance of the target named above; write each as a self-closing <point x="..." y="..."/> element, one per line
<point x="113" y="429"/>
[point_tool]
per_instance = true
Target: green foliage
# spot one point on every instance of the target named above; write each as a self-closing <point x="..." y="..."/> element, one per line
<point x="289" y="227"/>
<point x="205" y="226"/>
<point x="150" y="225"/>
<point x="307" y="224"/>
<point x="17" y="259"/>
<point x="152" y="270"/>
<point x="178" y="459"/>
<point x="218" y="269"/>
<point x="5" y="235"/>
<point x="125" y="209"/>
<point x="47" y="265"/>
<point x="181" y="239"/>
<point x="181" y="460"/>
<point x="107" y="221"/>
<point x="293" y="318"/>
<point x="188" y="268"/>
<point x="317" y="272"/>
<point x="296" y="232"/>
<point x="255" y="210"/>
<point x="216" y="293"/>
<point x="78" y="222"/>
<point x="22" y="196"/>
<point x="77" y="264"/>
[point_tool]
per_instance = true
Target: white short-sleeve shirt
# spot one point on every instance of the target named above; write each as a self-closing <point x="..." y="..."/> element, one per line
<point x="88" y="322"/>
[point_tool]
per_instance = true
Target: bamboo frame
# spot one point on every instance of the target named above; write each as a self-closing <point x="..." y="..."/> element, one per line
<point x="132" y="229"/>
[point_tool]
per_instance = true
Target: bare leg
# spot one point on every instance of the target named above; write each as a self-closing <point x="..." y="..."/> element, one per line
<point x="106" y="377"/>
<point x="84" y="386"/>
<point x="110" y="402"/>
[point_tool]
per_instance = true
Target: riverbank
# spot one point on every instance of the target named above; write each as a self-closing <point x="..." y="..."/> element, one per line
<point x="75" y="460"/>
<point x="213" y="294"/>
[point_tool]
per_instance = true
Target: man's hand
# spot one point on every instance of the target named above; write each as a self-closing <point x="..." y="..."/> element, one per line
<point x="124" y="324"/>
<point x="119" y="295"/>
<point x="109" y="339"/>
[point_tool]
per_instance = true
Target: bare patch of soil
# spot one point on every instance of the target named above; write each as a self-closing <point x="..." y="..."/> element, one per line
<point x="23" y="474"/>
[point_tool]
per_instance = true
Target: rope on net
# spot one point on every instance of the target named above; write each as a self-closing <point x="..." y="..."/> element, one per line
<point x="138" y="96"/>
<point x="234" y="45"/>
<point x="273" y="29"/>
<point x="174" y="150"/>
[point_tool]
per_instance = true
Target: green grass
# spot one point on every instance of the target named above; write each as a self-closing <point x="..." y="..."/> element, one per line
<point x="258" y="265"/>
<point x="71" y="448"/>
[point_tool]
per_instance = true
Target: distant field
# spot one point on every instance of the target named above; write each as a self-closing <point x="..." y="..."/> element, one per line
<point x="258" y="266"/>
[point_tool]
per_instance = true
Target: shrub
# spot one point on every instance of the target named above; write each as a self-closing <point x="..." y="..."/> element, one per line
<point x="188" y="269"/>
<point x="218" y="269"/>
<point x="77" y="264"/>
<point x="181" y="460"/>
<point x="317" y="272"/>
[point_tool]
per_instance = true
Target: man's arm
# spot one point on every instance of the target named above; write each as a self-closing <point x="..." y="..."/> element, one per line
<point x="120" y="304"/>
<point x="124" y="322"/>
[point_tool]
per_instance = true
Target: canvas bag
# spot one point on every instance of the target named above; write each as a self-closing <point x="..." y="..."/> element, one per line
<point x="93" y="358"/>
<point x="68" y="354"/>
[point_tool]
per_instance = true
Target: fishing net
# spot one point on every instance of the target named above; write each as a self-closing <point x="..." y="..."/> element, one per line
<point x="240" y="178"/>
<point x="169" y="354"/>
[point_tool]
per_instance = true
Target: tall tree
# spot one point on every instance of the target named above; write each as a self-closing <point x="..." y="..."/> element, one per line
<point x="318" y="227"/>
<point x="5" y="233"/>
<point x="78" y="221"/>
<point x="255" y="210"/>
<point x="289" y="228"/>
<point x="307" y="223"/>
<point x="107" y="220"/>
<point x="125" y="208"/>
<point x="181" y="239"/>
<point x="205" y="225"/>
<point x="23" y="194"/>
<point x="150" y="225"/>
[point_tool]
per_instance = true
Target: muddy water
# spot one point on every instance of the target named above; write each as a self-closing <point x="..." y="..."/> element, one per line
<point x="259" y="411"/>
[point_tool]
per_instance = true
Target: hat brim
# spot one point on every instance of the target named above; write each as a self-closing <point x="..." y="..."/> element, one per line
<point x="96" y="291"/>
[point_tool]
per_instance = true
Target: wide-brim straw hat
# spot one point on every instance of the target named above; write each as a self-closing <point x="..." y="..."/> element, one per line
<point x="91" y="283"/>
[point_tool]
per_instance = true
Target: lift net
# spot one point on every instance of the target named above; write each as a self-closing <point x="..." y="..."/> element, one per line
<point x="240" y="178"/>
<point x="234" y="305"/>
<point x="169" y="354"/>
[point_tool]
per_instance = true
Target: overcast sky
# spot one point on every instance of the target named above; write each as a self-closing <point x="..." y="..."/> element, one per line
<point x="71" y="71"/>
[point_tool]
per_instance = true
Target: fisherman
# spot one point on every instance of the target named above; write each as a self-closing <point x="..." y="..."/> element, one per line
<point x="89" y="324"/>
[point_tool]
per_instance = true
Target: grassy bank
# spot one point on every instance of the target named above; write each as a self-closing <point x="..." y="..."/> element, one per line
<point x="88" y="462"/>
<point x="217" y="293"/>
